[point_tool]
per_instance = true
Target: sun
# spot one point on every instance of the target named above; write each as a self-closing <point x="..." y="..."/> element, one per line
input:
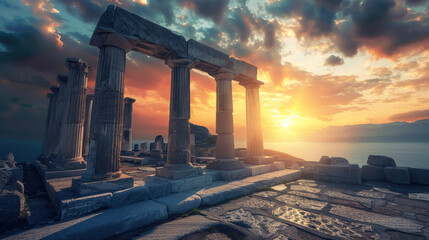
<point x="286" y="123"/>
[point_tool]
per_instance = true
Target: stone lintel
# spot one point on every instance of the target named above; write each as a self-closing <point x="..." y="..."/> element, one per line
<point x="207" y="55"/>
<point x="243" y="68"/>
<point x="84" y="188"/>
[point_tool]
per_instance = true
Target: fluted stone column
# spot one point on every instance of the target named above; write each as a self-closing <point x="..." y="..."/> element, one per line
<point x="59" y="114"/>
<point x="225" y="158"/>
<point x="50" y="122"/>
<point x="255" y="144"/>
<point x="179" y="148"/>
<point x="87" y="124"/>
<point x="127" y="137"/>
<point x="70" y="154"/>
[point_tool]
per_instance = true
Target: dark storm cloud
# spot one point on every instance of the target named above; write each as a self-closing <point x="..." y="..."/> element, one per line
<point x="153" y="9"/>
<point x="415" y="2"/>
<point x="410" y="116"/>
<point x="88" y="11"/>
<point x="334" y="61"/>
<point x="213" y="9"/>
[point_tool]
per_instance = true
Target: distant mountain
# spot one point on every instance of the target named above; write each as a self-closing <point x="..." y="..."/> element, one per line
<point x="417" y="131"/>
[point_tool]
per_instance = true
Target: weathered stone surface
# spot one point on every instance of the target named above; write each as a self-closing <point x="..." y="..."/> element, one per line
<point x="396" y="223"/>
<point x="301" y="202"/>
<point x="279" y="187"/>
<point x="305" y="188"/>
<point x="261" y="169"/>
<point x="261" y="225"/>
<point x="381" y="161"/>
<point x="304" y="194"/>
<point x="217" y="194"/>
<point x="257" y="203"/>
<point x="339" y="160"/>
<point x="186" y="184"/>
<point x="266" y="194"/>
<point x="235" y="174"/>
<point x="10" y="175"/>
<point x="335" y="194"/>
<point x="325" y="160"/>
<point x="397" y="175"/>
<point x="338" y="173"/>
<point x="100" y="225"/>
<point x="129" y="196"/>
<point x="71" y="208"/>
<point x="373" y="173"/>
<point x="180" y="202"/>
<point x="419" y="196"/>
<point x="277" y="166"/>
<point x="15" y="186"/>
<point x="371" y="194"/>
<point x="243" y="68"/>
<point x="11" y="205"/>
<point x="110" y="185"/>
<point x="419" y="175"/>
<point x="158" y="187"/>
<point x="179" y="229"/>
<point x="207" y="55"/>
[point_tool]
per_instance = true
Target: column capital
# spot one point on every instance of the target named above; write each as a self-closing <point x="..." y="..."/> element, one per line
<point x="223" y="74"/>
<point x="111" y="39"/>
<point x="252" y="84"/>
<point x="79" y="64"/>
<point x="129" y="100"/>
<point x="62" y="78"/>
<point x="55" y="89"/>
<point x="181" y="62"/>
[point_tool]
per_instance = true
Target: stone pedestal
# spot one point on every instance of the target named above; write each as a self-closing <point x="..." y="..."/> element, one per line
<point x="255" y="144"/>
<point x="60" y="113"/>
<point x="50" y="123"/>
<point x="225" y="159"/>
<point x="179" y="148"/>
<point x="127" y="137"/>
<point x="70" y="153"/>
<point x="87" y="124"/>
<point x="101" y="186"/>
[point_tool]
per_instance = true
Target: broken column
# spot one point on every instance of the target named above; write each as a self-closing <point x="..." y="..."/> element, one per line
<point x="70" y="151"/>
<point x="127" y="137"/>
<point x="178" y="164"/>
<point x="87" y="124"/>
<point x="50" y="122"/>
<point x="59" y="114"/>
<point x="255" y="144"/>
<point x="225" y="159"/>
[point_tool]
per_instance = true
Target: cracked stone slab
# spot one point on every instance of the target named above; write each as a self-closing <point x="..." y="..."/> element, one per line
<point x="266" y="194"/>
<point x="308" y="183"/>
<point x="419" y="196"/>
<point x="396" y="223"/>
<point x="364" y="201"/>
<point x="304" y="194"/>
<point x="304" y="188"/>
<point x="261" y="225"/>
<point x="371" y="194"/>
<point x="328" y="225"/>
<point x="302" y="202"/>
<point x="257" y="203"/>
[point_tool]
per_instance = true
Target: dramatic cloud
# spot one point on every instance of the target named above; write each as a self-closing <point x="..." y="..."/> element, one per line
<point x="410" y="116"/>
<point x="334" y="61"/>
<point x="213" y="9"/>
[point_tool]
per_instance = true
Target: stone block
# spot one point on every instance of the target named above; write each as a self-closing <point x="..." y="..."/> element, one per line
<point x="261" y="169"/>
<point x="398" y="175"/>
<point x="186" y="184"/>
<point x="109" y="185"/>
<point x="338" y="160"/>
<point x="419" y="175"/>
<point x="175" y="174"/>
<point x="382" y="161"/>
<point x="15" y="186"/>
<point x="325" y="160"/>
<point x="338" y="173"/>
<point x="225" y="164"/>
<point x="207" y="54"/>
<point x="235" y="174"/>
<point x="278" y="166"/>
<point x="180" y="202"/>
<point x="225" y="191"/>
<point x="75" y="207"/>
<point x="243" y="68"/>
<point x="373" y="173"/>
<point x="129" y="196"/>
<point x="11" y="205"/>
<point x="158" y="187"/>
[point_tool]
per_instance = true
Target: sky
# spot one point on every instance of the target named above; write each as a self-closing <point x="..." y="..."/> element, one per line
<point x="323" y="62"/>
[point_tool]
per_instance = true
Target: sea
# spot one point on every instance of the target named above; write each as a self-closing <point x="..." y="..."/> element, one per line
<point x="405" y="154"/>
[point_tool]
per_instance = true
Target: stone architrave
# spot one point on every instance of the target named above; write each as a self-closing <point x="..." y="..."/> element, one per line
<point x="50" y="122"/>
<point x="70" y="153"/>
<point x="62" y="79"/>
<point x="178" y="164"/>
<point x="87" y="124"/>
<point x="127" y="137"/>
<point x="225" y="158"/>
<point x="255" y="144"/>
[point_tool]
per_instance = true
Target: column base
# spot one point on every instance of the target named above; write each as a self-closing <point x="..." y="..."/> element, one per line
<point x="225" y="164"/>
<point x="83" y="187"/>
<point x="60" y="164"/>
<point x="175" y="172"/>
<point x="259" y="160"/>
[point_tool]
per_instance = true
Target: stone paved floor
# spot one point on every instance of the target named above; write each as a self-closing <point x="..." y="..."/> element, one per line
<point x="307" y="209"/>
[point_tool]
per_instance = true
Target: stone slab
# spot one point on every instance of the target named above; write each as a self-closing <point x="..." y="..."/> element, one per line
<point x="225" y="165"/>
<point x="132" y="159"/>
<point x="302" y="202"/>
<point x="186" y="184"/>
<point x="338" y="160"/>
<point x="261" y="169"/>
<point x="100" y="225"/>
<point x="419" y="175"/>
<point x="278" y="166"/>
<point x="158" y="187"/>
<point x="129" y="196"/>
<point x="109" y="185"/>
<point x="76" y="207"/>
<point x="325" y="160"/>
<point x="222" y="191"/>
<point x="46" y="173"/>
<point x="235" y="174"/>
<point x="243" y="68"/>
<point x="174" y="174"/>
<point x="338" y="173"/>
<point x="274" y="178"/>
<point x="207" y="54"/>
<point x="373" y="173"/>
<point x="381" y="161"/>
<point x="398" y="175"/>
<point x="179" y="229"/>
<point x="180" y="202"/>
<point x="419" y="196"/>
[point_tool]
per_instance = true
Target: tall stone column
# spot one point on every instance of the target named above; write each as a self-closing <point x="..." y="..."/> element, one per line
<point x="255" y="143"/>
<point x="225" y="157"/>
<point x="70" y="154"/>
<point x="127" y="137"/>
<point x="50" y="122"/>
<point x="87" y="124"/>
<point x="59" y="114"/>
<point x="179" y="148"/>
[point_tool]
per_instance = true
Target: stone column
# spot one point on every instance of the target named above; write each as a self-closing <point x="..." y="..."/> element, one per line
<point x="59" y="114"/>
<point x="225" y="159"/>
<point x="50" y="122"/>
<point x="255" y="144"/>
<point x="70" y="154"/>
<point x="87" y="124"/>
<point x="179" y="149"/>
<point x="127" y="138"/>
